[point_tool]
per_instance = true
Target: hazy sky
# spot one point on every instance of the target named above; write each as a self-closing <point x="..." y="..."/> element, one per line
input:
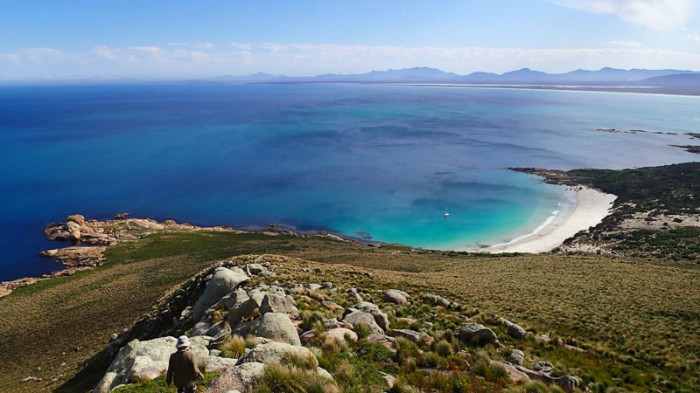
<point x="200" y="38"/>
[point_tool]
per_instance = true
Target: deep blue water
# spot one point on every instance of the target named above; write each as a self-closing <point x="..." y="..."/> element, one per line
<point x="379" y="161"/>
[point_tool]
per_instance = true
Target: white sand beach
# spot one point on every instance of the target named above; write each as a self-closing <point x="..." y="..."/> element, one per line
<point x="589" y="210"/>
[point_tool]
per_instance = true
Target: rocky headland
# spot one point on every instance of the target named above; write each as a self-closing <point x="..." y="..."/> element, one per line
<point x="691" y="135"/>
<point x="249" y="324"/>
<point x="91" y="238"/>
<point x="656" y="213"/>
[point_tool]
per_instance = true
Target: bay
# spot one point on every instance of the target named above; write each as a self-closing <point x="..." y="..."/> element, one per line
<point x="371" y="161"/>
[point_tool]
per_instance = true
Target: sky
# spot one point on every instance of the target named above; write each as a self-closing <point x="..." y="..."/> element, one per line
<point x="70" y="39"/>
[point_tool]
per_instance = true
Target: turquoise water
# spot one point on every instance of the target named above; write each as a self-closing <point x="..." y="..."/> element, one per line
<point x="376" y="162"/>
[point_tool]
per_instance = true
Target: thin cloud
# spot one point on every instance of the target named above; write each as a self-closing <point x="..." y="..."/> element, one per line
<point x="195" y="45"/>
<point x="652" y="14"/>
<point x="311" y="59"/>
<point x="39" y="54"/>
<point x="32" y="55"/>
<point x="240" y="45"/>
<point x="626" y="44"/>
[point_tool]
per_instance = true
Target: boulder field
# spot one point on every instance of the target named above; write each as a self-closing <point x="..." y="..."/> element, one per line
<point x="242" y="320"/>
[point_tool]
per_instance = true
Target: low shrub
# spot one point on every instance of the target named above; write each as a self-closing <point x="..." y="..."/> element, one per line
<point x="277" y="379"/>
<point x="234" y="347"/>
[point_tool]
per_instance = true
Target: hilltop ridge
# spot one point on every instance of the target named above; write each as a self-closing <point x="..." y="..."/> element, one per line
<point x="639" y="80"/>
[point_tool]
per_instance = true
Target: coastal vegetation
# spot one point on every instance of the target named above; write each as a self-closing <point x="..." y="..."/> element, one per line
<point x="622" y="321"/>
<point x="656" y="213"/>
<point x="642" y="340"/>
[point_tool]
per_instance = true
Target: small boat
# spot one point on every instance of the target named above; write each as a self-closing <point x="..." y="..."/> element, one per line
<point x="447" y="214"/>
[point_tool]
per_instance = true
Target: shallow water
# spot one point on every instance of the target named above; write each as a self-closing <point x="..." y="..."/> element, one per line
<point x="380" y="162"/>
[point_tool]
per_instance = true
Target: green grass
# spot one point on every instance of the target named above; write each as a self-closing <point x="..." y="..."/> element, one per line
<point x="678" y="244"/>
<point x="635" y="316"/>
<point x="277" y="379"/>
<point x="158" y="385"/>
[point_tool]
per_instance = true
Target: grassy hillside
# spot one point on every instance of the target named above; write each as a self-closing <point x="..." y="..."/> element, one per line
<point x="636" y="317"/>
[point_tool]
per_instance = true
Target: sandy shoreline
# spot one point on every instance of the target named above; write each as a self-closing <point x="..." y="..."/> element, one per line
<point x="590" y="208"/>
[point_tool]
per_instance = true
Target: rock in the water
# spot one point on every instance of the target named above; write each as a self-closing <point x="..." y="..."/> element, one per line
<point x="436" y="300"/>
<point x="476" y="333"/>
<point x="223" y="282"/>
<point x="395" y="296"/>
<point x="277" y="303"/>
<point x="363" y="318"/>
<point x="412" y="335"/>
<point x="278" y="326"/>
<point x="517" y="356"/>
<point x="281" y="353"/>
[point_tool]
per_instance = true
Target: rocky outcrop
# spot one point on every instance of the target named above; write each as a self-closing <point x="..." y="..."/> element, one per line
<point x="246" y="310"/>
<point x="273" y="303"/>
<point x="234" y="298"/>
<point x="281" y="353"/>
<point x="516" y="331"/>
<point x="140" y="361"/>
<point x="240" y="378"/>
<point x="436" y="300"/>
<point x="380" y="317"/>
<point x="341" y="334"/>
<point x="383" y="339"/>
<point x="265" y="316"/>
<point x="278" y="327"/>
<point x="363" y="318"/>
<point x="477" y="334"/>
<point x="223" y="282"/>
<point x="513" y="330"/>
<point x="412" y="335"/>
<point x="89" y="256"/>
<point x="517" y="356"/>
<point x="395" y="296"/>
<point x="515" y="375"/>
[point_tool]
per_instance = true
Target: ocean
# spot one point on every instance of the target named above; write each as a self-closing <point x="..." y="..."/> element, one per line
<point x="376" y="162"/>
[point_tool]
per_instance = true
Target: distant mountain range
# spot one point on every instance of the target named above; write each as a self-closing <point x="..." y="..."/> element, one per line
<point x="655" y="81"/>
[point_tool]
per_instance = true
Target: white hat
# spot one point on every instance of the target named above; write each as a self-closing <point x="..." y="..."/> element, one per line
<point x="182" y="342"/>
